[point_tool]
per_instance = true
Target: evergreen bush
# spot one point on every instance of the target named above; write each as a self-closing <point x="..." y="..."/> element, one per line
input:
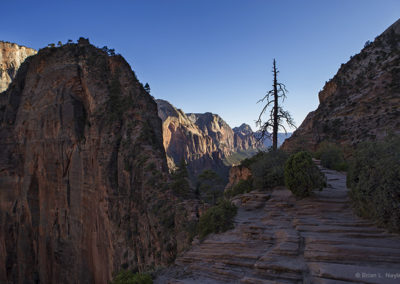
<point x="331" y="156"/>
<point x="374" y="181"/>
<point x="268" y="170"/>
<point x="217" y="219"/>
<point x="243" y="186"/>
<point x="180" y="181"/>
<point x="128" y="277"/>
<point x="210" y="186"/>
<point x="302" y="175"/>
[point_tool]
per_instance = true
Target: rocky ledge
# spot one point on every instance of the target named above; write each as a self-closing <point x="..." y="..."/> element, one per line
<point x="278" y="239"/>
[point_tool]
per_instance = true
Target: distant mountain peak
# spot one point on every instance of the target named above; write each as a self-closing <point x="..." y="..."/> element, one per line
<point x="203" y="140"/>
<point x="243" y="129"/>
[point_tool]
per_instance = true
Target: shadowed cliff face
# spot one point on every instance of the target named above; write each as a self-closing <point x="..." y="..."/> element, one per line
<point x="11" y="57"/>
<point x="202" y="140"/>
<point x="82" y="171"/>
<point x="362" y="100"/>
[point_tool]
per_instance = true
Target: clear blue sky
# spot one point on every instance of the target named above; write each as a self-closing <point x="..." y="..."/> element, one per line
<point x="213" y="55"/>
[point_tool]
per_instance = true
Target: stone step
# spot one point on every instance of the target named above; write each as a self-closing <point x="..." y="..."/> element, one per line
<point x="392" y="244"/>
<point x="281" y="264"/>
<point x="313" y="240"/>
<point x="231" y="260"/>
<point x="338" y="229"/>
<point x="217" y="271"/>
<point x="254" y="280"/>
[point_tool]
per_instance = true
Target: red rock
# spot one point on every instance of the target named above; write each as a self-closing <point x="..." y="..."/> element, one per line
<point x="361" y="102"/>
<point x="203" y="140"/>
<point x="11" y="57"/>
<point x="82" y="172"/>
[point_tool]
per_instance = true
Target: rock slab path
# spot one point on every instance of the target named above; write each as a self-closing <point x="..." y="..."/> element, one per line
<point x="278" y="239"/>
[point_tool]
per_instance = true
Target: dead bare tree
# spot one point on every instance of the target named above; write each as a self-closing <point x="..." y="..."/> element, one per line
<point x="277" y="114"/>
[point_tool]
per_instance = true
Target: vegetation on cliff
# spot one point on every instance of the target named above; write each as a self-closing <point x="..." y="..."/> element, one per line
<point x="374" y="181"/>
<point x="180" y="181"/>
<point x="267" y="172"/>
<point x="128" y="277"/>
<point x="217" y="219"/>
<point x="210" y="187"/>
<point x="331" y="156"/>
<point x="243" y="186"/>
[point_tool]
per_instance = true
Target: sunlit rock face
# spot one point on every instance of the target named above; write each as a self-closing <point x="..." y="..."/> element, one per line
<point x="361" y="102"/>
<point x="11" y="57"/>
<point x="83" y="173"/>
<point x="203" y="140"/>
<point x="236" y="174"/>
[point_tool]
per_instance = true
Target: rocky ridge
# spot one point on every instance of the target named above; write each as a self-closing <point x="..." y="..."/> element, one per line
<point x="202" y="140"/>
<point x="83" y="175"/>
<point x="361" y="102"/>
<point x="11" y="57"/>
<point x="278" y="239"/>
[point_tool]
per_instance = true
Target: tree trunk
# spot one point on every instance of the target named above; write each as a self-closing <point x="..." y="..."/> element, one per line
<point x="275" y="126"/>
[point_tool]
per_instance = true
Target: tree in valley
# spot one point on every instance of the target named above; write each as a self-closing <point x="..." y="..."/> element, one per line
<point x="210" y="186"/>
<point x="277" y="115"/>
<point x="180" y="180"/>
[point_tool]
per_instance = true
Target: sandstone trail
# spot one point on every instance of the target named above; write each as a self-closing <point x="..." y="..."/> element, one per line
<point x="278" y="239"/>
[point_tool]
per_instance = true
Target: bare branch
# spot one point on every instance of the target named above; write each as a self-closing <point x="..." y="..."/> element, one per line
<point x="264" y="109"/>
<point x="286" y="115"/>
<point x="267" y="96"/>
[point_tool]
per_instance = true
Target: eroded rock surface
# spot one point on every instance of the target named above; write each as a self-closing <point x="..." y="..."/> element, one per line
<point x="82" y="172"/>
<point x="11" y="57"/>
<point x="278" y="239"/>
<point x="361" y="102"/>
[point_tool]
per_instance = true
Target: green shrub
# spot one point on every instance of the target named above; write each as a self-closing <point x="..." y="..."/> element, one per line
<point x="180" y="180"/>
<point x="217" y="219"/>
<point x="249" y="161"/>
<point x="128" y="277"/>
<point x="210" y="186"/>
<point x="331" y="156"/>
<point x="243" y="186"/>
<point x="302" y="175"/>
<point x="268" y="170"/>
<point x="374" y="181"/>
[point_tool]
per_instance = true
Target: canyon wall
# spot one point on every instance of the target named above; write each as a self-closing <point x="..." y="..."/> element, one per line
<point x="202" y="140"/>
<point x="83" y="175"/>
<point x="11" y="57"/>
<point x="361" y="102"/>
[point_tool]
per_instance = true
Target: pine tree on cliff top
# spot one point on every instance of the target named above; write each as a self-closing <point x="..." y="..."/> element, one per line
<point x="277" y="114"/>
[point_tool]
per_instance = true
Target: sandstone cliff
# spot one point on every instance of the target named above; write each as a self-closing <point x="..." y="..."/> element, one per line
<point x="216" y="128"/>
<point x="82" y="171"/>
<point x="202" y="140"/>
<point x="361" y="102"/>
<point x="244" y="138"/>
<point x="183" y="139"/>
<point x="11" y="57"/>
